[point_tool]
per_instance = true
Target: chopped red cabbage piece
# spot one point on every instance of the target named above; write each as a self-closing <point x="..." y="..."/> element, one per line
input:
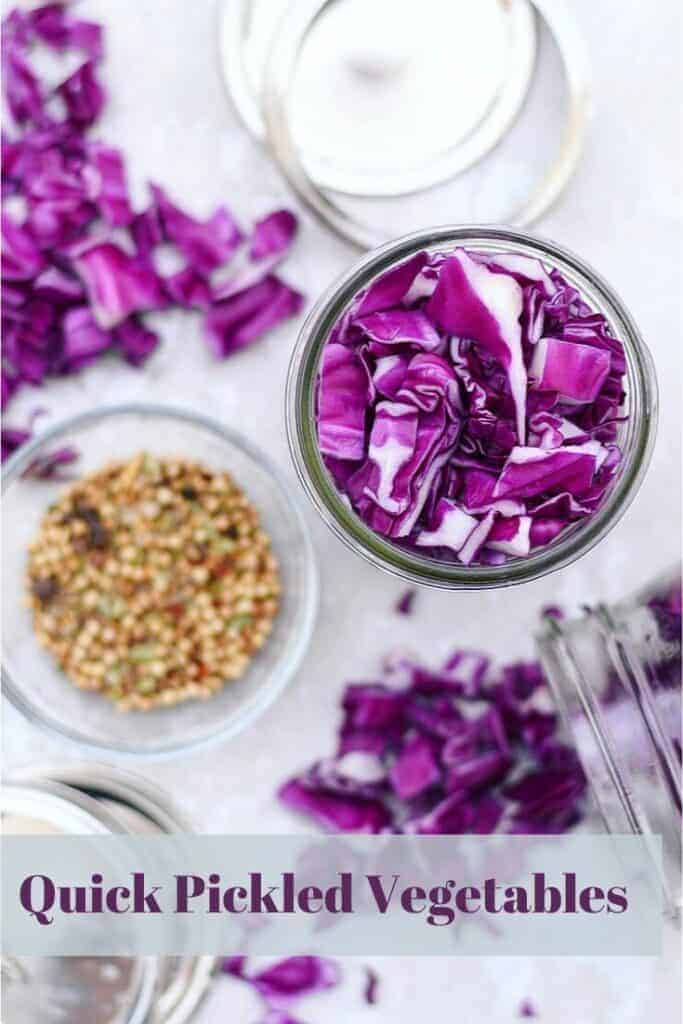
<point x="575" y="371"/>
<point x="334" y="811"/>
<point x="472" y="302"/>
<point x="240" y="320"/>
<point x="46" y="466"/>
<point x="525" y="270"/>
<point x="187" y="288"/>
<point x="371" y="986"/>
<point x="78" y="261"/>
<point x="415" y="769"/>
<point x="13" y="438"/>
<point x="56" y="27"/>
<point x="404" y="605"/>
<point x="84" y="340"/>
<point x="429" y="381"/>
<point x="135" y="340"/>
<point x="547" y="799"/>
<point x="392" y="287"/>
<point x="285" y="982"/>
<point x="452" y="527"/>
<point x="205" y="245"/>
<point x="511" y="535"/>
<point x="273" y="234"/>
<point x="529" y="472"/>
<point x="342" y="400"/>
<point x="117" y="284"/>
<point x="391" y="445"/>
<point x="109" y="189"/>
<point x="553" y="611"/>
<point x="384" y="330"/>
<point x="234" y="965"/>
<point x="527" y="1009"/>
<point x="21" y="88"/>
<point x="516" y="387"/>
<point x="59" y="287"/>
<point x="390" y="372"/>
<point x="465" y="748"/>
<point x="83" y="95"/>
<point x="22" y="259"/>
<point x="295" y="977"/>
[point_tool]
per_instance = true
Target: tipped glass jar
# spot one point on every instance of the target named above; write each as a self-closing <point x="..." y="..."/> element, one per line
<point x="616" y="675"/>
<point x="634" y="426"/>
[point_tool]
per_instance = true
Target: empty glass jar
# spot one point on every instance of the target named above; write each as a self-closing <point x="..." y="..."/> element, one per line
<point x="616" y="674"/>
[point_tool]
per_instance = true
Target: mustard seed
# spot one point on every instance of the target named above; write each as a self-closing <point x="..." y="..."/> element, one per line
<point x="152" y="582"/>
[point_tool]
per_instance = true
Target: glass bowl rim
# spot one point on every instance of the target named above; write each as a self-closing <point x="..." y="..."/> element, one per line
<point x="284" y="670"/>
<point x="324" y="495"/>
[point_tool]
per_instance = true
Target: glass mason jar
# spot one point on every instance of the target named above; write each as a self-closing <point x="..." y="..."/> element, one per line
<point x="635" y="438"/>
<point x="88" y="800"/>
<point x="616" y="675"/>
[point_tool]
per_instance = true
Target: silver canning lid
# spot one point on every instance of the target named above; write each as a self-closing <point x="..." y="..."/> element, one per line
<point x="87" y="798"/>
<point x="383" y="98"/>
<point x="48" y="808"/>
<point x="377" y="58"/>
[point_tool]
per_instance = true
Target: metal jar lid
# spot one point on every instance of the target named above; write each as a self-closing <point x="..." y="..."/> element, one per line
<point x="378" y="99"/>
<point x="89" y="799"/>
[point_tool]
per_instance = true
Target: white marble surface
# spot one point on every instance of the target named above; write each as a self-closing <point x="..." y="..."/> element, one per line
<point x="622" y="212"/>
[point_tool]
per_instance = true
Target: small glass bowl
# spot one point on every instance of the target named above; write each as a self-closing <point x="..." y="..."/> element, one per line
<point x="636" y="436"/>
<point x="31" y="679"/>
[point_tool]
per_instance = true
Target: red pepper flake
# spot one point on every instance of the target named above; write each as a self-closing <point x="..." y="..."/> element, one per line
<point x="177" y="610"/>
<point x="222" y="567"/>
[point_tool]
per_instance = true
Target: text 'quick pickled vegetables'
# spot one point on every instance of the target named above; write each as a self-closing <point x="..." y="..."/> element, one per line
<point x="469" y="404"/>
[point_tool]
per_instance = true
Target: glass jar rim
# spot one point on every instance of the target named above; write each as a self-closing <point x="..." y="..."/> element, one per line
<point x="641" y="395"/>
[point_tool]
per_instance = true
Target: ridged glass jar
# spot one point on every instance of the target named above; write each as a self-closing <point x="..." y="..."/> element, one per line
<point x="636" y="433"/>
<point x="616" y="675"/>
<point x="90" y="799"/>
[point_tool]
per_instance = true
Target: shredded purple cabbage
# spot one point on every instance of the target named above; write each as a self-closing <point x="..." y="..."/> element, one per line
<point x="527" y="1009"/>
<point x="553" y="611"/>
<point x="281" y="985"/>
<point x="371" y="986"/>
<point x="461" y="749"/>
<point x="48" y="465"/>
<point x="469" y="404"/>
<point x="406" y="602"/>
<point x="79" y="264"/>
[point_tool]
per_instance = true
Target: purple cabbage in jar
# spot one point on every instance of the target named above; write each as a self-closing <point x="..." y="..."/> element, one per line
<point x="469" y="404"/>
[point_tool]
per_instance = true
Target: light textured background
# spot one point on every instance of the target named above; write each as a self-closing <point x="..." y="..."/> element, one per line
<point x="622" y="212"/>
